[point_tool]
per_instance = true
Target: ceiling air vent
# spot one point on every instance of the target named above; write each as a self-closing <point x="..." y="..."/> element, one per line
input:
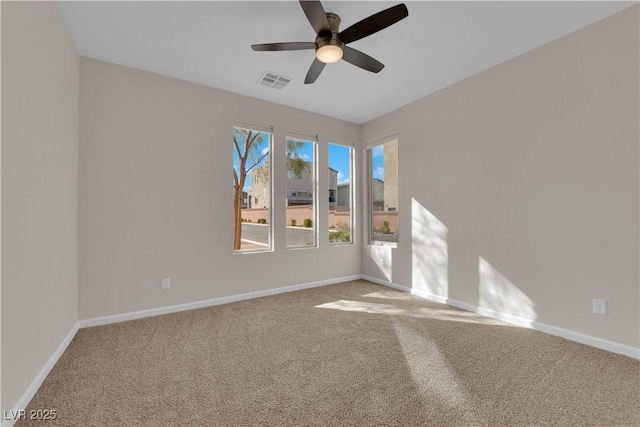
<point x="274" y="80"/>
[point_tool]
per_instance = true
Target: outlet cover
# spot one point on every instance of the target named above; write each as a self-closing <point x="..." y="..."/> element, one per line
<point x="166" y="282"/>
<point x="599" y="306"/>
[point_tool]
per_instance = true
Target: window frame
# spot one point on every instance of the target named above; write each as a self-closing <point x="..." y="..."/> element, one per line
<point x="352" y="192"/>
<point x="270" y="187"/>
<point x="313" y="139"/>
<point x="369" y="146"/>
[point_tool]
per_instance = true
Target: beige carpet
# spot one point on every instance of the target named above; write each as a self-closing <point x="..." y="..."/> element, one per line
<point x="352" y="354"/>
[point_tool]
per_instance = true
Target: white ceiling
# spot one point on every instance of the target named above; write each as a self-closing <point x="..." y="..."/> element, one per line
<point x="439" y="44"/>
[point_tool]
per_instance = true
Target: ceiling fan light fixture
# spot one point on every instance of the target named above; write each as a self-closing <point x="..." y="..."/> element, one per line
<point x="329" y="50"/>
<point x="329" y="54"/>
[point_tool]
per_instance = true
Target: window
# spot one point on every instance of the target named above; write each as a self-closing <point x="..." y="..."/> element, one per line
<point x="301" y="186"/>
<point x="301" y="194"/>
<point x="340" y="193"/>
<point x="252" y="178"/>
<point x="383" y="190"/>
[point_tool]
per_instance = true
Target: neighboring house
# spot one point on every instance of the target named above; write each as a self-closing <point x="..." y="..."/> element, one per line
<point x="246" y="203"/>
<point x="299" y="190"/>
<point x="333" y="188"/>
<point x="390" y="184"/>
<point x="344" y="195"/>
<point x="258" y="195"/>
<point x="385" y="191"/>
<point x="378" y="194"/>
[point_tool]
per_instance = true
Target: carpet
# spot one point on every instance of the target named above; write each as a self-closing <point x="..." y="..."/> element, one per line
<point x="349" y="354"/>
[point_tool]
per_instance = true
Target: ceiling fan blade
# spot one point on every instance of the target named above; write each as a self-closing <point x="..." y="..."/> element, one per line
<point x="283" y="46"/>
<point x="374" y="23"/>
<point x="316" y="15"/>
<point x="314" y="71"/>
<point x="361" y="60"/>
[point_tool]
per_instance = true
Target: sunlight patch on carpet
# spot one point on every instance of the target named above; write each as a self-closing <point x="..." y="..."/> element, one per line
<point x="432" y="375"/>
<point x="415" y="312"/>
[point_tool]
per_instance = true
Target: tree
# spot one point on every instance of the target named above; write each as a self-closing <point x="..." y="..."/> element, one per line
<point x="296" y="165"/>
<point x="245" y="143"/>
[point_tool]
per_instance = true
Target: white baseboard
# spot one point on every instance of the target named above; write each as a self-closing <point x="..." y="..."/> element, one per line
<point x="386" y="283"/>
<point x="39" y="379"/>
<point x="96" y="321"/>
<point x="426" y="295"/>
<point x="600" y="343"/>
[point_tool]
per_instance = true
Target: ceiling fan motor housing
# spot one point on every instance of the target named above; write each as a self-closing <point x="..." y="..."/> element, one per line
<point x="332" y="39"/>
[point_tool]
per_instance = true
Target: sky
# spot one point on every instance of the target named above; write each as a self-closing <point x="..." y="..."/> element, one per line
<point x="340" y="161"/>
<point x="378" y="162"/>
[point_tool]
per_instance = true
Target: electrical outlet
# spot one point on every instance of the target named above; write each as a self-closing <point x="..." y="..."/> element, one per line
<point x="166" y="282"/>
<point x="599" y="306"/>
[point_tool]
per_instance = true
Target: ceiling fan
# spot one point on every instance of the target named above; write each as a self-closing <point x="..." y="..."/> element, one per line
<point x="330" y="45"/>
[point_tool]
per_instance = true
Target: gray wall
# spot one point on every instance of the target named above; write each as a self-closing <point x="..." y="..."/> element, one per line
<point x="155" y="194"/>
<point x="519" y="186"/>
<point x="40" y="81"/>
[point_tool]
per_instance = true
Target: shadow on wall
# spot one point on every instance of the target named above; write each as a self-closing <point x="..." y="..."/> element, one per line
<point x="497" y="293"/>
<point x="430" y="267"/>
<point x="383" y="257"/>
<point x="430" y="255"/>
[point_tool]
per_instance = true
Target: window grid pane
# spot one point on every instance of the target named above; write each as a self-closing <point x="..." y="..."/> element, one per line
<point x="252" y="190"/>
<point x="383" y="192"/>
<point x="340" y="193"/>
<point x="301" y="192"/>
